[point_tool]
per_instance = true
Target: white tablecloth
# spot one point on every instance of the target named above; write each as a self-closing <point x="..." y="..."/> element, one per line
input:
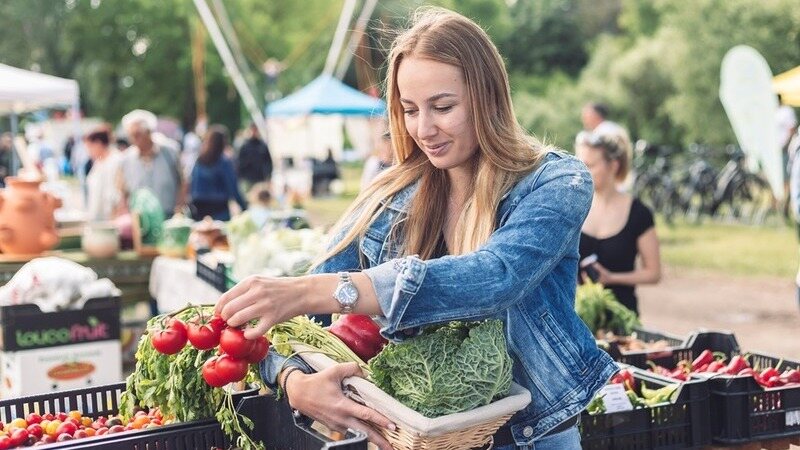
<point x="173" y="283"/>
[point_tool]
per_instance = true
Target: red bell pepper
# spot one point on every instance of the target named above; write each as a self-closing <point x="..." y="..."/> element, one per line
<point x="736" y="365"/>
<point x="790" y="376"/>
<point x="705" y="358"/>
<point x="715" y="366"/>
<point x="678" y="374"/>
<point x="625" y="378"/>
<point x="360" y="334"/>
<point x="748" y="371"/>
<point x="769" y="373"/>
<point x="773" y="381"/>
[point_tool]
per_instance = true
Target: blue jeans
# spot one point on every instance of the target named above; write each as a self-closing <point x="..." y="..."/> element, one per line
<point x="566" y="440"/>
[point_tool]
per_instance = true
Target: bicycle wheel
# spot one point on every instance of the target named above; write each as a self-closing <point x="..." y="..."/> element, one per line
<point x="761" y="203"/>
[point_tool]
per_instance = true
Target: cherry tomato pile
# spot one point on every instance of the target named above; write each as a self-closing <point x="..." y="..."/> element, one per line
<point x="709" y="362"/>
<point x="35" y="429"/>
<point x="235" y="352"/>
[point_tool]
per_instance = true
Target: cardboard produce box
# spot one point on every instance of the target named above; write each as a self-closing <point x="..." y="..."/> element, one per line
<point x="45" y="352"/>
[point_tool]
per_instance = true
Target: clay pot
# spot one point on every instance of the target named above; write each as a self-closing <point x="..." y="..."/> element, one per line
<point x="27" y="225"/>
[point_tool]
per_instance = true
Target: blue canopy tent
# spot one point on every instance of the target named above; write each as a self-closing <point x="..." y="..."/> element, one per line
<point x="327" y="95"/>
<point x="311" y="121"/>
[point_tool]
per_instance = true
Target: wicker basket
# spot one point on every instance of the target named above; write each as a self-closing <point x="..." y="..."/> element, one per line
<point x="465" y="430"/>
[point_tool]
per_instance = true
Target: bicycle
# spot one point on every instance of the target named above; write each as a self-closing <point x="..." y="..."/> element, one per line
<point x="655" y="185"/>
<point x="697" y="187"/>
<point x="741" y="194"/>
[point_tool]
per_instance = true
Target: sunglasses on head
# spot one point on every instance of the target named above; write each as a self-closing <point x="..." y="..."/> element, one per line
<point x="598" y="140"/>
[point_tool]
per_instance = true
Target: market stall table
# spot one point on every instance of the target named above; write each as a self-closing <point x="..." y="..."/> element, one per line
<point x="174" y="283"/>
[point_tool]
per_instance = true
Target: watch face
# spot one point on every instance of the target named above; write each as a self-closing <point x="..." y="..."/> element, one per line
<point x="346" y="294"/>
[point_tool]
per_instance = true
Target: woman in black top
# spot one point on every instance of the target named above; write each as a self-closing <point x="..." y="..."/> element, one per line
<point x="619" y="227"/>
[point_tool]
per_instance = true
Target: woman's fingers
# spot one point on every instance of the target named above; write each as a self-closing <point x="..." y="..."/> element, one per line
<point x="344" y="370"/>
<point x="370" y="416"/>
<point x="257" y="330"/>
<point x="234" y="292"/>
<point x="243" y="309"/>
<point x="372" y="434"/>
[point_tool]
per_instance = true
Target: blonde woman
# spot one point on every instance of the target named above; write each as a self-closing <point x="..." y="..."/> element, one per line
<point x="619" y="229"/>
<point x="475" y="220"/>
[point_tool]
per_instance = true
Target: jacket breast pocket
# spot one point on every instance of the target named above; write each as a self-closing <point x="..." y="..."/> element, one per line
<point x="370" y="247"/>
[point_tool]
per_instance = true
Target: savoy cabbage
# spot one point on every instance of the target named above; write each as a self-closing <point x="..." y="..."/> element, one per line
<point x="450" y="369"/>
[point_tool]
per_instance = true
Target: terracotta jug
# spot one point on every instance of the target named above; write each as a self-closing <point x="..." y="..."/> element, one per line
<point x="27" y="225"/>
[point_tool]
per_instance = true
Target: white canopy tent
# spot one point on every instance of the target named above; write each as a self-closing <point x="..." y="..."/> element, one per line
<point x="24" y="91"/>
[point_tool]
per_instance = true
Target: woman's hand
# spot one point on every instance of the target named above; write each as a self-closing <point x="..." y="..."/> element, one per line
<point x="269" y="300"/>
<point x="320" y="397"/>
<point x="604" y="276"/>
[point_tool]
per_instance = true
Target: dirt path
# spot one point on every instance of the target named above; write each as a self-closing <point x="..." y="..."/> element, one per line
<point x="762" y="312"/>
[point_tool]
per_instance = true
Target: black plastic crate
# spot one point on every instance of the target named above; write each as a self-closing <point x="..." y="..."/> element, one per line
<point x="676" y="348"/>
<point x="695" y="343"/>
<point x="217" y="277"/>
<point x="679" y="425"/>
<point x="273" y="423"/>
<point x="741" y="409"/>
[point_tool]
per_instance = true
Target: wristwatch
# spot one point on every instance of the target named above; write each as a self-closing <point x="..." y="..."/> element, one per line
<point x="346" y="293"/>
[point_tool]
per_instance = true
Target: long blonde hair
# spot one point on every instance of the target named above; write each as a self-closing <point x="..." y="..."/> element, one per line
<point x="505" y="154"/>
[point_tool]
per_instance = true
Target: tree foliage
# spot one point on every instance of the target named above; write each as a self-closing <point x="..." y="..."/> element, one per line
<point x="655" y="62"/>
<point x="660" y="73"/>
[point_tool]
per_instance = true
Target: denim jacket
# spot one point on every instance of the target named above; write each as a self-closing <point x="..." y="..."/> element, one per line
<point x="524" y="275"/>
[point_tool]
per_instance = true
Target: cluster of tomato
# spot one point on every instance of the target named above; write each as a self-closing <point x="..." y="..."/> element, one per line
<point x="235" y="352"/>
<point x="37" y="429"/>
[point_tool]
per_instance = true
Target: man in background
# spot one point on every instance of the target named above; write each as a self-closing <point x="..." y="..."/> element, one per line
<point x="595" y="118"/>
<point x="151" y="162"/>
<point x="254" y="162"/>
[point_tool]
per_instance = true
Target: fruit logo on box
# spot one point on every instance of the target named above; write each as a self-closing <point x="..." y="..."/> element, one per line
<point x="93" y="330"/>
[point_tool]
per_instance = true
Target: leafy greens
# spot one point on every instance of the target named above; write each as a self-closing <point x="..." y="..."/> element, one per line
<point x="453" y="368"/>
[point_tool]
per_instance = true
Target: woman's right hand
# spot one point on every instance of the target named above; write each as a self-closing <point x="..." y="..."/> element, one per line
<point x="320" y="396"/>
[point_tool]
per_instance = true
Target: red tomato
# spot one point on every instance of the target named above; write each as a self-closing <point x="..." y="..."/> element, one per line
<point x="73" y="421"/>
<point x="203" y="337"/>
<point x="66" y="427"/>
<point x="233" y="342"/>
<point x="210" y="373"/>
<point x="80" y="434"/>
<point x="34" y="418"/>
<point x="230" y="369"/>
<point x="259" y="351"/>
<point x="171" y="339"/>
<point x="35" y="430"/>
<point x="218" y="323"/>
<point x="19" y="436"/>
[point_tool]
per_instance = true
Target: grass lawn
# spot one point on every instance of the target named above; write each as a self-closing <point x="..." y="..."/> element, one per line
<point x="736" y="250"/>
<point x="325" y="211"/>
